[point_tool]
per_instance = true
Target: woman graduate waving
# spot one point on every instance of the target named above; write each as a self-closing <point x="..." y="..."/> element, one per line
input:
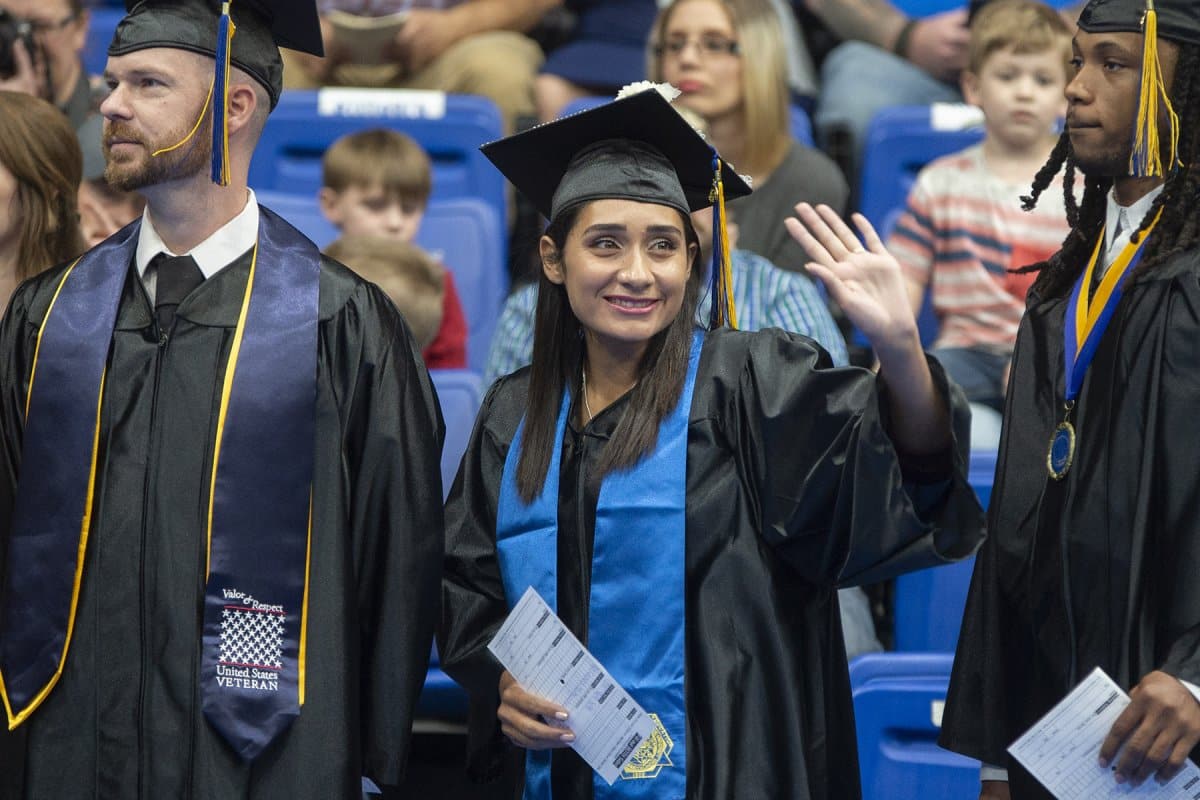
<point x="688" y="501"/>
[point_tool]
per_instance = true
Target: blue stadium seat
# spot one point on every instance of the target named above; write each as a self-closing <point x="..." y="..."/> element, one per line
<point x="441" y="698"/>
<point x="302" y="211"/>
<point x="898" y="703"/>
<point x="461" y="233"/>
<point x="102" y="25"/>
<point x="900" y="141"/>
<point x="925" y="8"/>
<point x="930" y="602"/>
<point x="450" y="128"/>
<point x="459" y="394"/>
<point x="802" y="129"/>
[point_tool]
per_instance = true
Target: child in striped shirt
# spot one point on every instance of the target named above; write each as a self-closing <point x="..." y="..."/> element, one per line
<point x="964" y="229"/>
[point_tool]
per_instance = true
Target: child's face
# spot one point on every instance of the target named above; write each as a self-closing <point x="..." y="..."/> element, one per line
<point x="1021" y="96"/>
<point x="372" y="211"/>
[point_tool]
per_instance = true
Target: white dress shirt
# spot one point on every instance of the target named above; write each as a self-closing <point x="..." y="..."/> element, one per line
<point x="212" y="255"/>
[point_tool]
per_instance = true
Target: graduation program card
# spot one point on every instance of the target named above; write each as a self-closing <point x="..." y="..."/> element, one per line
<point x="1062" y="749"/>
<point x="547" y="660"/>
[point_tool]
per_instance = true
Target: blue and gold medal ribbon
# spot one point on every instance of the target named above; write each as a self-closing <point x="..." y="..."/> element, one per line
<point x="1087" y="319"/>
<point x="54" y="501"/>
<point x="637" y="608"/>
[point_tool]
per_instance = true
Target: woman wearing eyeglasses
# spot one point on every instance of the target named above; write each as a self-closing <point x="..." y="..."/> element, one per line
<point x="728" y="58"/>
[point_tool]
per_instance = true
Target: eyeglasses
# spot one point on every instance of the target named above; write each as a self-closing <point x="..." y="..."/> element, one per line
<point x="41" y="27"/>
<point x="708" y="46"/>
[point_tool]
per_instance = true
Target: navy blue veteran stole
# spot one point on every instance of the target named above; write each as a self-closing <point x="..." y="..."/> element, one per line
<point x="637" y="606"/>
<point x="259" y="513"/>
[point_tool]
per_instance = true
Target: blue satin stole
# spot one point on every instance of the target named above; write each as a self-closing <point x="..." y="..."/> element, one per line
<point x="252" y="671"/>
<point x="637" y="607"/>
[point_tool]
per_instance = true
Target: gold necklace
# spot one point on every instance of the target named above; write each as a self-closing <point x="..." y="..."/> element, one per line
<point x="586" y="406"/>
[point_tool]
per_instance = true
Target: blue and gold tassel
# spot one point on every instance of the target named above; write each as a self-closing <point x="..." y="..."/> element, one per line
<point x="220" y="126"/>
<point x="721" y="287"/>
<point x="1146" y="159"/>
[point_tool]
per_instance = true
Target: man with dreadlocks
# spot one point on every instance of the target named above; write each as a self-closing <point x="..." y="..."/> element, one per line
<point x="1095" y="540"/>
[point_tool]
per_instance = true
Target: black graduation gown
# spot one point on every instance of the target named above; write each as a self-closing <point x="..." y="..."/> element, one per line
<point x="793" y="487"/>
<point x="1101" y="568"/>
<point x="125" y="720"/>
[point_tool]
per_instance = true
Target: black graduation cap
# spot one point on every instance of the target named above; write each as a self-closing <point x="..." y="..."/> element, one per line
<point x="1178" y="20"/>
<point x="261" y="28"/>
<point x="636" y="148"/>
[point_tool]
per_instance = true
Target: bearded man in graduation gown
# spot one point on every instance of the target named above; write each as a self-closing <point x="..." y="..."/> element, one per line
<point x="220" y="516"/>
<point x="1094" y="538"/>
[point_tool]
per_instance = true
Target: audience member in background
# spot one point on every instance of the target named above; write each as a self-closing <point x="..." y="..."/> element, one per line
<point x="105" y="209"/>
<point x="461" y="46"/>
<point x="54" y="70"/>
<point x="964" y="228"/>
<point x="606" y="50"/>
<point x="887" y="59"/>
<point x="405" y="272"/>
<point x="40" y="169"/>
<point x="377" y="182"/>
<point x="727" y="58"/>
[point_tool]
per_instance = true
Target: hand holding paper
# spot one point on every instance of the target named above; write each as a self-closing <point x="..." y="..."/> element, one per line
<point x="1158" y="729"/>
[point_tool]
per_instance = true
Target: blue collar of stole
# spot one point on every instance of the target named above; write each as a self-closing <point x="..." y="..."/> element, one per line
<point x="259" y="511"/>
<point x="637" y="607"/>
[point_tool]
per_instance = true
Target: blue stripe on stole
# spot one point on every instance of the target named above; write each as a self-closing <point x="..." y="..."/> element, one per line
<point x="637" y="605"/>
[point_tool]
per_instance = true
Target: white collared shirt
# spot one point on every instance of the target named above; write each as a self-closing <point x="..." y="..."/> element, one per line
<point x="212" y="255"/>
<point x="1127" y="218"/>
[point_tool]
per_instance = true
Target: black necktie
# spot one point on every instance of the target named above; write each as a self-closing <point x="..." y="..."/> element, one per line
<point x="177" y="276"/>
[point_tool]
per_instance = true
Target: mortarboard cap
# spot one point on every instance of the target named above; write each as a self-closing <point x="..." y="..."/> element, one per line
<point x="635" y="148"/>
<point x="1175" y="20"/>
<point x="1178" y="20"/>
<point x="262" y="27"/>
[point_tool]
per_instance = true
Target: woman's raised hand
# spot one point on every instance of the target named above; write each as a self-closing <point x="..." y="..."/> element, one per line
<point x="866" y="282"/>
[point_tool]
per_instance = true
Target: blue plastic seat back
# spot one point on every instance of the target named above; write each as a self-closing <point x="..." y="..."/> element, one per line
<point x="449" y="127"/>
<point x="101" y="27"/>
<point x="461" y="233"/>
<point x="900" y="141"/>
<point x="898" y="704"/>
<point x="802" y="130"/>
<point x="930" y="602"/>
<point x="459" y="394"/>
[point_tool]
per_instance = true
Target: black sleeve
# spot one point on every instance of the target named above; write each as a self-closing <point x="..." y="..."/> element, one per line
<point x="836" y="498"/>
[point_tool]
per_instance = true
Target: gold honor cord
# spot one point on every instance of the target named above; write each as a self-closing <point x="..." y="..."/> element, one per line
<point x="196" y="127"/>
<point x="303" y="656"/>
<point x="226" y="393"/>
<point x="15" y="719"/>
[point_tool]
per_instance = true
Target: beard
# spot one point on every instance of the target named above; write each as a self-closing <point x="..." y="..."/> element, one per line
<point x="1110" y="162"/>
<point x="130" y="173"/>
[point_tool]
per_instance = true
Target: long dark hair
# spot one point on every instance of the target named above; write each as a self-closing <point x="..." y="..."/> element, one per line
<point x="557" y="363"/>
<point x="1179" y="228"/>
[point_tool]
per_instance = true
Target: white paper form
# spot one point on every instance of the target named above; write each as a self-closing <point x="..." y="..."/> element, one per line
<point x="547" y="660"/>
<point x="1062" y="749"/>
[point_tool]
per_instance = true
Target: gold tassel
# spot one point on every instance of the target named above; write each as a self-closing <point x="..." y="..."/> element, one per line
<point x="1146" y="159"/>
